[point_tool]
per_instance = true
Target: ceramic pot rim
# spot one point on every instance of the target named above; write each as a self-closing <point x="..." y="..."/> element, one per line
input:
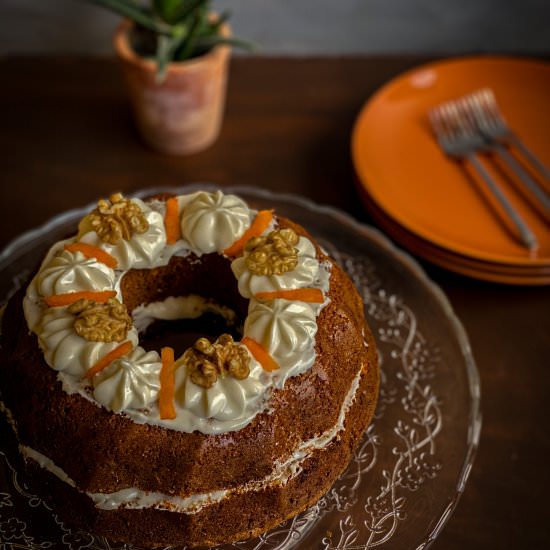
<point x="128" y="54"/>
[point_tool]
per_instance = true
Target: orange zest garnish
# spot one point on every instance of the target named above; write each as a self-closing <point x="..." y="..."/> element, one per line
<point x="106" y="360"/>
<point x="313" y="295"/>
<point x="91" y="251"/>
<point x="260" y="354"/>
<point x="59" y="300"/>
<point x="259" y="225"/>
<point x="172" y="221"/>
<point x="167" y="384"/>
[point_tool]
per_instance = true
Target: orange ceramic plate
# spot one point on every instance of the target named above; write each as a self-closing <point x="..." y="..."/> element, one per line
<point x="431" y="252"/>
<point x="401" y="168"/>
<point x="471" y="269"/>
<point x="508" y="274"/>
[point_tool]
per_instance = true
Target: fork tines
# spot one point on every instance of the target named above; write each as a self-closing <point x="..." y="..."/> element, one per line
<point x="456" y="125"/>
<point x="490" y="122"/>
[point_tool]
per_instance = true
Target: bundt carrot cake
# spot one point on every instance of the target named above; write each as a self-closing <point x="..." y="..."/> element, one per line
<point x="207" y="440"/>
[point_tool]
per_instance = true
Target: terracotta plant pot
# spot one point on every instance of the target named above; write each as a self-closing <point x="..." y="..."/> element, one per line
<point x="183" y="113"/>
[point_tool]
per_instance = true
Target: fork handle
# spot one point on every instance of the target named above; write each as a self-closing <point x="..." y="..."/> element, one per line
<point x="527" y="236"/>
<point x="533" y="159"/>
<point x="528" y="181"/>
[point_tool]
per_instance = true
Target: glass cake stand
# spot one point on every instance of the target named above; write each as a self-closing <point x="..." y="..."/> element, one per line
<point x="413" y="462"/>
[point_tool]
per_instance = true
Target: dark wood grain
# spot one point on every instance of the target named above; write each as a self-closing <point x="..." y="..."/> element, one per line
<point x="67" y="138"/>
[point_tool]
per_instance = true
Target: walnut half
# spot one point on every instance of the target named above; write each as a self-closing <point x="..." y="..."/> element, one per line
<point x="117" y="219"/>
<point x="273" y="254"/>
<point x="95" y="322"/>
<point x="206" y="361"/>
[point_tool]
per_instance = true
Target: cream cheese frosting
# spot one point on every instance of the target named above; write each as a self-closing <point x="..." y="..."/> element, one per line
<point x="213" y="221"/>
<point x="304" y="275"/>
<point x="143" y="250"/>
<point x="64" y="350"/>
<point x="72" y="271"/>
<point x="224" y="401"/>
<point x="58" y="275"/>
<point x="131" y="381"/>
<point x="287" y="330"/>
<point x="210" y="222"/>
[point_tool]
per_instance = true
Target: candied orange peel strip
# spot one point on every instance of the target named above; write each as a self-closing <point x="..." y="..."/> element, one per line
<point x="59" y="300"/>
<point x="91" y="251"/>
<point x="312" y="295"/>
<point x="172" y="221"/>
<point x="167" y="384"/>
<point x="260" y="354"/>
<point x="106" y="360"/>
<point x="259" y="225"/>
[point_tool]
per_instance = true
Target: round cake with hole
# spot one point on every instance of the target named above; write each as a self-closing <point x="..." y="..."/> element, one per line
<point x="186" y="370"/>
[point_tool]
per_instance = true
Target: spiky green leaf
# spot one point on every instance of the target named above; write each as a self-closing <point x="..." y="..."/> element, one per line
<point x="167" y="10"/>
<point x="187" y="48"/>
<point x="166" y="46"/>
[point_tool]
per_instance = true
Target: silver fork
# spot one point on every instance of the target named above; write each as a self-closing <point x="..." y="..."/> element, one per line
<point x="493" y="124"/>
<point x="458" y="137"/>
<point x="483" y="107"/>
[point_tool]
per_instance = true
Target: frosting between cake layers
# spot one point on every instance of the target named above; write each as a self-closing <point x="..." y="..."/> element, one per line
<point x="210" y="222"/>
<point x="283" y="472"/>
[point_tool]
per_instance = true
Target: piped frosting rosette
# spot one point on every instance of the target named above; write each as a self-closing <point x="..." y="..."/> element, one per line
<point x="286" y="329"/>
<point x="213" y="221"/>
<point x="305" y="274"/>
<point x="66" y="351"/>
<point x="72" y="271"/>
<point x="74" y="306"/>
<point x="63" y="272"/>
<point x="142" y="250"/>
<point x="130" y="382"/>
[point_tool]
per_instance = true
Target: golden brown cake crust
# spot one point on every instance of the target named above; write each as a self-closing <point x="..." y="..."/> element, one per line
<point x="109" y="452"/>
<point x="236" y="518"/>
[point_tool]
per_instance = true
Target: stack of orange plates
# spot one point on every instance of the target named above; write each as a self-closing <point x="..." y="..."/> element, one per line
<point x="437" y="207"/>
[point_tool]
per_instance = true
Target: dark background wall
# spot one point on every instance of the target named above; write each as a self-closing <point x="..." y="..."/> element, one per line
<point x="305" y="27"/>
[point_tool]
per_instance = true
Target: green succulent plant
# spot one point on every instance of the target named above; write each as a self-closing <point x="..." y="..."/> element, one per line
<point x="172" y="30"/>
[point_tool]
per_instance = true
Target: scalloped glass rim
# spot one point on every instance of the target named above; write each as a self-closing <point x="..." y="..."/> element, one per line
<point x="372" y="235"/>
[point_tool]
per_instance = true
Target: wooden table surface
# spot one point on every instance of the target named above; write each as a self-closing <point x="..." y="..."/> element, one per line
<point x="66" y="139"/>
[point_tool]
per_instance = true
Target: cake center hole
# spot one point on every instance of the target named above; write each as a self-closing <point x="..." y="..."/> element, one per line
<point x="181" y="334"/>
<point x="179" y="321"/>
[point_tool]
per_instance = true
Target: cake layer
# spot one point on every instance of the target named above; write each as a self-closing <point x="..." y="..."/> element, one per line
<point x="121" y="453"/>
<point x="238" y="515"/>
<point x="134" y="498"/>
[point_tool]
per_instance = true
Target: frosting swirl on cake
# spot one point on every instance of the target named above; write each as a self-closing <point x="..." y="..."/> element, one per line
<point x="70" y="272"/>
<point x="287" y="330"/>
<point x="303" y="275"/>
<point x="66" y="351"/>
<point x="226" y="400"/>
<point x="129" y="382"/>
<point x="143" y="250"/>
<point x="213" y="221"/>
